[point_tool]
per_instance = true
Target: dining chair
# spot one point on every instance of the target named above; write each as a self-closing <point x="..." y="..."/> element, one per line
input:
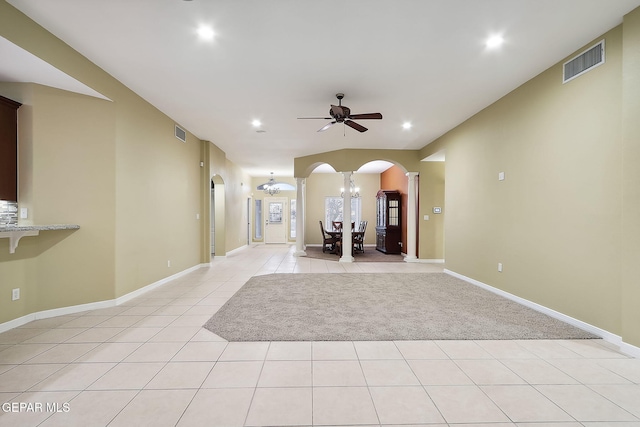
<point x="328" y="241"/>
<point x="358" y="239"/>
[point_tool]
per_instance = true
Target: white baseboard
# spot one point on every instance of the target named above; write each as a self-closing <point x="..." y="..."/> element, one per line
<point x="62" y="311"/>
<point x="148" y="288"/>
<point x="232" y="252"/>
<point x="431" y="261"/>
<point x="629" y="349"/>
<point x="605" y="335"/>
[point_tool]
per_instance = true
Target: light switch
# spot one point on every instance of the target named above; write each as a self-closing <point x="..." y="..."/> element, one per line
<point x="24" y="213"/>
<point x="500" y="176"/>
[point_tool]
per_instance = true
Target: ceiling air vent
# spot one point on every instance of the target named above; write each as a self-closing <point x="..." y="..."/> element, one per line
<point x="584" y="62"/>
<point x="181" y="134"/>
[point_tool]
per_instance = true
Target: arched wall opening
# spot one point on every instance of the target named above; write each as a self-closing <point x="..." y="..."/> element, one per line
<point x="353" y="159"/>
<point x="325" y="183"/>
<point x="406" y="169"/>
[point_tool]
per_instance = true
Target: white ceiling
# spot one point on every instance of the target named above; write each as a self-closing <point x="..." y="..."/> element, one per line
<point x="422" y="61"/>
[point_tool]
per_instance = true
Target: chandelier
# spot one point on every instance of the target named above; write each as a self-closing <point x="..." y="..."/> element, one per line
<point x="271" y="187"/>
<point x="355" y="191"/>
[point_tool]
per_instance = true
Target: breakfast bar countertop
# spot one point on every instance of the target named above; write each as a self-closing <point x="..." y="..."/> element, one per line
<point x="39" y="227"/>
<point x="17" y="232"/>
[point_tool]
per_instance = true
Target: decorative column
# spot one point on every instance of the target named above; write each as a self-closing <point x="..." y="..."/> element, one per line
<point x="411" y="218"/>
<point x="299" y="218"/>
<point x="347" y="245"/>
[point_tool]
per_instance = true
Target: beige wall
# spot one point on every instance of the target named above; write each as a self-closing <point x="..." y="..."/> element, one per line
<point x="630" y="253"/>
<point x="431" y="231"/>
<point x="555" y="222"/>
<point x="67" y="175"/>
<point x="157" y="196"/>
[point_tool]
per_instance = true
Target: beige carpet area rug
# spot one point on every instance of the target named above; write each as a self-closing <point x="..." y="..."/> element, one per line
<point x="377" y="307"/>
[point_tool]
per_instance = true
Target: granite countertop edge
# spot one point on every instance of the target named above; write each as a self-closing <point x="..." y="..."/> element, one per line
<point x="40" y="227"/>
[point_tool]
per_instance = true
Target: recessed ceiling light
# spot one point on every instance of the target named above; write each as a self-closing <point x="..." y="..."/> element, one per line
<point x="206" y="32"/>
<point x="406" y="125"/>
<point x="256" y="123"/>
<point x="494" y="41"/>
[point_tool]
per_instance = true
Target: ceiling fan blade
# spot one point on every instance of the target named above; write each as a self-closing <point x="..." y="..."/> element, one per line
<point x="327" y="126"/>
<point x="314" y="118"/>
<point x="355" y="126"/>
<point x="372" y="116"/>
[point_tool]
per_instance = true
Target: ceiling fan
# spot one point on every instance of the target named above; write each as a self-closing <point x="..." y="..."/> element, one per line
<point x="341" y="114"/>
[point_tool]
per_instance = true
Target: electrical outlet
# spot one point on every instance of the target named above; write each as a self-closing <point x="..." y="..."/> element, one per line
<point x="500" y="267"/>
<point x="168" y="263"/>
<point x="15" y="294"/>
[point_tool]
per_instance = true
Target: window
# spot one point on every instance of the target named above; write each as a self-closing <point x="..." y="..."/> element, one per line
<point x="333" y="210"/>
<point x="258" y="219"/>
<point x="275" y="212"/>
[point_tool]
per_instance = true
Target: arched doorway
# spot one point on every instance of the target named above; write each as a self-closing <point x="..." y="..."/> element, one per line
<point x="350" y="163"/>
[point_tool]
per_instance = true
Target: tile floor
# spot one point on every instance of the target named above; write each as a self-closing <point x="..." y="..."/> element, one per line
<point x="149" y="362"/>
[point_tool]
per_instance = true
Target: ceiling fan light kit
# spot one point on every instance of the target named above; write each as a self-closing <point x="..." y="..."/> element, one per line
<point x="342" y="114"/>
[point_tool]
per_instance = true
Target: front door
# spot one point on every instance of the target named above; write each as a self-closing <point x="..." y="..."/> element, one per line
<point x="275" y="221"/>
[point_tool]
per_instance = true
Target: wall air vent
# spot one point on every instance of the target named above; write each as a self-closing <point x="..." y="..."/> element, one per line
<point x="181" y="134"/>
<point x="586" y="61"/>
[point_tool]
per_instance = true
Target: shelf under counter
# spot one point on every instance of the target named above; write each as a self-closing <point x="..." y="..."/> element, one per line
<point x="17" y="232"/>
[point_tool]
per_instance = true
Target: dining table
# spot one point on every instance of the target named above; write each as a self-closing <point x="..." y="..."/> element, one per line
<point x="337" y="249"/>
